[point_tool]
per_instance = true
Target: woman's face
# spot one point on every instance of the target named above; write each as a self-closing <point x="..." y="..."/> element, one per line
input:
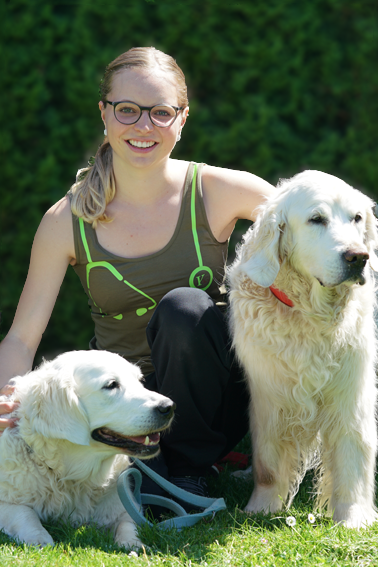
<point x="145" y="87"/>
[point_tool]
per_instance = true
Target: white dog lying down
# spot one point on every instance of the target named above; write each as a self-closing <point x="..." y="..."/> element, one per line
<point x="310" y="364"/>
<point x="79" y="417"/>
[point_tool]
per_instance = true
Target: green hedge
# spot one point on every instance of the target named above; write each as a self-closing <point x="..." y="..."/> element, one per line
<point x="275" y="87"/>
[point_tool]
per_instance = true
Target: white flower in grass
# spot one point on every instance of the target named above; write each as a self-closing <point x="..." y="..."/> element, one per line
<point x="291" y="521"/>
<point x="133" y="554"/>
<point x="311" y="518"/>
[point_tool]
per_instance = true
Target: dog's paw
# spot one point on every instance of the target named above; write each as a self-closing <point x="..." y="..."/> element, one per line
<point x="265" y="500"/>
<point x="133" y="544"/>
<point x="354" y="516"/>
<point x="126" y="535"/>
<point x="38" y="540"/>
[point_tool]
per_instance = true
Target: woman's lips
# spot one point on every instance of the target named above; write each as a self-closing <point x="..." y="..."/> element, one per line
<point x="138" y="146"/>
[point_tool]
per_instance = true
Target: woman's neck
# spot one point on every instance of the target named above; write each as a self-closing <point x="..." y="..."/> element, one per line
<point x="144" y="185"/>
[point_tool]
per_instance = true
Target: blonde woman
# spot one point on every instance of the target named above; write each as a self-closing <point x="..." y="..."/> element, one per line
<point x="147" y="236"/>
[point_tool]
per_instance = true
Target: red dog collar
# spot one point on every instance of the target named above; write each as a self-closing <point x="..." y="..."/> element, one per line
<point x="281" y="296"/>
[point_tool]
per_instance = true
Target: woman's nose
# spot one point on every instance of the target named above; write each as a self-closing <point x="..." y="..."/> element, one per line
<point x="144" y="122"/>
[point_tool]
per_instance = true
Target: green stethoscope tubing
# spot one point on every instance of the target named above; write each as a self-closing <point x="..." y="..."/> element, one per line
<point x="201" y="267"/>
<point x="142" y="310"/>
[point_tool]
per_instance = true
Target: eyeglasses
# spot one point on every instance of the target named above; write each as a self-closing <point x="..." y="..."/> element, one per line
<point x="162" y="115"/>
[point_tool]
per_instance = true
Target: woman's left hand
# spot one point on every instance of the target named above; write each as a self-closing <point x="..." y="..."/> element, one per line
<point x="7" y="407"/>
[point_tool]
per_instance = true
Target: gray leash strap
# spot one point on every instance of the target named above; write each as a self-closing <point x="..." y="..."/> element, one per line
<point x="133" y="500"/>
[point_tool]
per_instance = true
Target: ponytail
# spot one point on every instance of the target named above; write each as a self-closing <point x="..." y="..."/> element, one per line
<point x="94" y="188"/>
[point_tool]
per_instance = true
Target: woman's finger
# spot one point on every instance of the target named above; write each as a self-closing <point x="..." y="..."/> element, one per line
<point x="7" y="407"/>
<point x="7" y="390"/>
<point x="4" y="423"/>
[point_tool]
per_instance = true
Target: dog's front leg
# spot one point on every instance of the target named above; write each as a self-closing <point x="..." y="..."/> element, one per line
<point x="270" y="483"/>
<point x="22" y="523"/>
<point x="111" y="513"/>
<point x="126" y="532"/>
<point x="348" y="480"/>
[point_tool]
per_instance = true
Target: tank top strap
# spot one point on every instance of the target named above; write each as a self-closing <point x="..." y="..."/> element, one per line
<point x="195" y="216"/>
<point x="84" y="241"/>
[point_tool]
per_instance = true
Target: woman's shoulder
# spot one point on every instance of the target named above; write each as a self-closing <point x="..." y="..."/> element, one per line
<point x="56" y="225"/>
<point x="233" y="179"/>
<point x="60" y="209"/>
<point x="233" y="194"/>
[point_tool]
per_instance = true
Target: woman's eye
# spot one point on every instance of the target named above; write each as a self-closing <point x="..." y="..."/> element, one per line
<point x="111" y="385"/>
<point x="126" y="110"/>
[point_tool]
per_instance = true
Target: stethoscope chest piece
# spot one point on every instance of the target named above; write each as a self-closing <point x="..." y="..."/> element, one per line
<point x="201" y="278"/>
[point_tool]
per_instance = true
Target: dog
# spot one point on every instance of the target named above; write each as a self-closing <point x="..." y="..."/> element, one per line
<point x="80" y="418"/>
<point x="302" y="297"/>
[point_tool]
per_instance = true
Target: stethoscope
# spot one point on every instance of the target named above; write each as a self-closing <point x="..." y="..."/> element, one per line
<point x="200" y="278"/>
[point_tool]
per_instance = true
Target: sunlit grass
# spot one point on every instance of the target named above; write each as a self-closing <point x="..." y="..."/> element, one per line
<point x="231" y="539"/>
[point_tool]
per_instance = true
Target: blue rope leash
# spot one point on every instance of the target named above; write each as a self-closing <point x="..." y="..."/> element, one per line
<point x="133" y="500"/>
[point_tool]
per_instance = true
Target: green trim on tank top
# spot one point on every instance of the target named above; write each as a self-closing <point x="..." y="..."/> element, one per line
<point x="196" y="273"/>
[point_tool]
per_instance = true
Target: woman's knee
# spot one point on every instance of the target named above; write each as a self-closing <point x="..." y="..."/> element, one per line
<point x="189" y="306"/>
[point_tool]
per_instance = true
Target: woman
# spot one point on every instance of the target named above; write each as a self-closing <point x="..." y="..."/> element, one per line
<point x="148" y="235"/>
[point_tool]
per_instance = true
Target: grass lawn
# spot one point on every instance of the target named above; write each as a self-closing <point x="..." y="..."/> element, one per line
<point x="231" y="539"/>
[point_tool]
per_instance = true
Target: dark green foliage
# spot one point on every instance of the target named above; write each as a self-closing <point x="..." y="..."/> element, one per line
<point x="274" y="87"/>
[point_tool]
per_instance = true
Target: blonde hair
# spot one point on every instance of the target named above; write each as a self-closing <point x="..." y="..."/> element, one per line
<point x="94" y="187"/>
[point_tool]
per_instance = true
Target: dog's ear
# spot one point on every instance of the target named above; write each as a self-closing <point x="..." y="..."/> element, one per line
<point x="52" y="406"/>
<point x="371" y="237"/>
<point x="262" y="247"/>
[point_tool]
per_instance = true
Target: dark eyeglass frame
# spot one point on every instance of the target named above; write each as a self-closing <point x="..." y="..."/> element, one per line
<point x="141" y="108"/>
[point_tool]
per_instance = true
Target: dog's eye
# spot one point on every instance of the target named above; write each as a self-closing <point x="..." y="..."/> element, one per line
<point x="318" y="220"/>
<point x="111" y="385"/>
<point x="358" y="217"/>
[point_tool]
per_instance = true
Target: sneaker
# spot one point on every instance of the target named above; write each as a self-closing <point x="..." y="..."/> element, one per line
<point x="196" y="485"/>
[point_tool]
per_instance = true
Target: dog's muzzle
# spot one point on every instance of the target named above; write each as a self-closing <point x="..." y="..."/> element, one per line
<point x="142" y="446"/>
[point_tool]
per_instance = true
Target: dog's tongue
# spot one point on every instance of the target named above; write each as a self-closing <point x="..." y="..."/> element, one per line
<point x="152" y="439"/>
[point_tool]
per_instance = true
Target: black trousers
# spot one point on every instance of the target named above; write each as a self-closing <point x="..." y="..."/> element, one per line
<point x="195" y="367"/>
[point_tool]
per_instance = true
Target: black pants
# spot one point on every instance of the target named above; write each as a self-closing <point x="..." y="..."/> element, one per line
<point x="196" y="368"/>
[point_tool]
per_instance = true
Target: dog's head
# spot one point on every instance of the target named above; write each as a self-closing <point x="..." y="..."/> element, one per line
<point x="323" y="227"/>
<point x="91" y="397"/>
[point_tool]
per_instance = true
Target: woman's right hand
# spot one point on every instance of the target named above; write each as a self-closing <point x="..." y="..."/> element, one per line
<point x="7" y="407"/>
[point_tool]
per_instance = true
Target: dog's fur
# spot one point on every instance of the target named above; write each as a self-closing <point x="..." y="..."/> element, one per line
<point x="310" y="367"/>
<point x="80" y="416"/>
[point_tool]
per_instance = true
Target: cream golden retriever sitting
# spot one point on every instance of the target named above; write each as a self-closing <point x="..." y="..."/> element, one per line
<point x="80" y="416"/>
<point x="309" y="354"/>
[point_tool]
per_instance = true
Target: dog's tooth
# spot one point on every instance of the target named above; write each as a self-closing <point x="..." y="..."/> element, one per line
<point x="147" y="440"/>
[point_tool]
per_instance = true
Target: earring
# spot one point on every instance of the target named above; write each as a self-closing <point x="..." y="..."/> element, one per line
<point x="178" y="137"/>
<point x="105" y="132"/>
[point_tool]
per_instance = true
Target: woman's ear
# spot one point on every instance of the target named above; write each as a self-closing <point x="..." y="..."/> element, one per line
<point x="184" y="116"/>
<point x="101" y="106"/>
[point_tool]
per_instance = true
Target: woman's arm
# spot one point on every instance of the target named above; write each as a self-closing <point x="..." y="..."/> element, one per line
<point x="230" y="195"/>
<point x="52" y="251"/>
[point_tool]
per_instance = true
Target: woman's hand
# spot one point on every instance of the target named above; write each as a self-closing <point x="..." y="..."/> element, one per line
<point x="6" y="408"/>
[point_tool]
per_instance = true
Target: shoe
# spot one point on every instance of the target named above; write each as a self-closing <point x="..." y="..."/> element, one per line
<point x="196" y="485"/>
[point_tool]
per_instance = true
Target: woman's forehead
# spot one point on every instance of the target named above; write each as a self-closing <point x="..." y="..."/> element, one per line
<point x="144" y="86"/>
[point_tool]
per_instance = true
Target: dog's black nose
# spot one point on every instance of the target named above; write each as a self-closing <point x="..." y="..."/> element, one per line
<point x="356" y="259"/>
<point x="166" y="408"/>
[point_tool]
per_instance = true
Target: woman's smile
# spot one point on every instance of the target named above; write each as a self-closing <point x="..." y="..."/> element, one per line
<point x="143" y="146"/>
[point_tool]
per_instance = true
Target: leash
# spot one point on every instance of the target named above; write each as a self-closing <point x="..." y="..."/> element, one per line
<point x="133" y="500"/>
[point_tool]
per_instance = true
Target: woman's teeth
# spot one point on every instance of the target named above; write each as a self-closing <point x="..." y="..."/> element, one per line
<point x="138" y="144"/>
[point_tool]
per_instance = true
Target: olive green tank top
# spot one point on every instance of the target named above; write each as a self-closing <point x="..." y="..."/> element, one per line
<point x="124" y="292"/>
